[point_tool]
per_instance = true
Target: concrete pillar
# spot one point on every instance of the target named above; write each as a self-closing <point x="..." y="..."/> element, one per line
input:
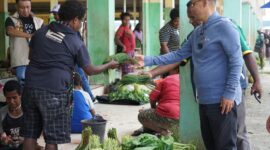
<point x="3" y="37"/>
<point x="189" y="109"/>
<point x="52" y="4"/>
<point x="185" y="26"/>
<point x="169" y="5"/>
<point x="254" y="29"/>
<point x="152" y="14"/>
<point x="233" y="10"/>
<point x="100" y="33"/>
<point x="134" y="12"/>
<point x="246" y="8"/>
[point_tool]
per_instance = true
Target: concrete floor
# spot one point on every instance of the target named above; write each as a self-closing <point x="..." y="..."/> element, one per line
<point x="124" y="118"/>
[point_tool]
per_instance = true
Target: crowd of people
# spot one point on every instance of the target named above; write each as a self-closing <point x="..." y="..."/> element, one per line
<point x="262" y="46"/>
<point x="51" y="63"/>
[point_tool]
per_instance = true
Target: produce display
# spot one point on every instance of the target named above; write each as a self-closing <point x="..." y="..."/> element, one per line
<point x="142" y="142"/>
<point x="112" y="134"/>
<point x="120" y="58"/>
<point x="132" y="88"/>
<point x="132" y="78"/>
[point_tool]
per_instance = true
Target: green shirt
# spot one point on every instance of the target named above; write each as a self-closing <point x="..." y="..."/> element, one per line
<point x="244" y="45"/>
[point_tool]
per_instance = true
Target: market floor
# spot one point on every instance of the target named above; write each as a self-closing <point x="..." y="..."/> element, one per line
<point x="124" y="118"/>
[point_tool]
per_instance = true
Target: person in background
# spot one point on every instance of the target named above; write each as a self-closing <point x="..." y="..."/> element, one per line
<point x="125" y="41"/>
<point x="11" y="118"/>
<point x="256" y="88"/>
<point x="163" y="116"/>
<point x="55" y="51"/>
<point x="267" y="44"/>
<point x="83" y="107"/>
<point x="54" y="11"/>
<point x="169" y="37"/>
<point x="138" y="35"/>
<point x="20" y="27"/>
<point x="259" y="47"/>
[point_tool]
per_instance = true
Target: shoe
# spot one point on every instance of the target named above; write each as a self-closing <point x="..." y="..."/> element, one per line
<point x="142" y="130"/>
<point x="138" y="132"/>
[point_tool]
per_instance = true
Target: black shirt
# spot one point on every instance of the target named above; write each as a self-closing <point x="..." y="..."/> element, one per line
<point x="28" y="24"/>
<point x="12" y="126"/>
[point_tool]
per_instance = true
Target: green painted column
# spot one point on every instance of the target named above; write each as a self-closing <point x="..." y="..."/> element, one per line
<point x="3" y="37"/>
<point x="100" y="34"/>
<point x="233" y="9"/>
<point x="190" y="131"/>
<point x="169" y="5"/>
<point x="253" y="29"/>
<point x="185" y="26"/>
<point x="258" y="24"/>
<point x="152" y="14"/>
<point x="246" y="8"/>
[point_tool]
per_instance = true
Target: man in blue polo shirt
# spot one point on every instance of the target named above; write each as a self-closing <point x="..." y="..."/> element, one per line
<point x="55" y="49"/>
<point x="216" y="55"/>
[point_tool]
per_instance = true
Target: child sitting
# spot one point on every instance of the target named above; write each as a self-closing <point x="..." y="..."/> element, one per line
<point x="83" y="107"/>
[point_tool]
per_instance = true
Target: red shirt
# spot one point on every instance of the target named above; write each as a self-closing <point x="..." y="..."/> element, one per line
<point x="167" y="95"/>
<point x="127" y="37"/>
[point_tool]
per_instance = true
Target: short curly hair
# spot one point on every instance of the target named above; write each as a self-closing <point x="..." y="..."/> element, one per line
<point x="71" y="9"/>
<point x="12" y="85"/>
<point x="124" y="14"/>
<point x="17" y="1"/>
<point x="174" y="13"/>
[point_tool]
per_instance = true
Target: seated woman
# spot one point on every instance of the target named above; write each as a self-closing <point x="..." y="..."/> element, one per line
<point x="163" y="116"/>
<point x="83" y="107"/>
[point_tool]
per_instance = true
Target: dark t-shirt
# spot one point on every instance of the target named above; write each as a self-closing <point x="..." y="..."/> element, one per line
<point x="28" y="24"/>
<point x="55" y="49"/>
<point x="268" y="38"/>
<point x="12" y="126"/>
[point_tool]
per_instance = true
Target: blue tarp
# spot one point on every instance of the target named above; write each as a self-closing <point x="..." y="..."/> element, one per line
<point x="267" y="5"/>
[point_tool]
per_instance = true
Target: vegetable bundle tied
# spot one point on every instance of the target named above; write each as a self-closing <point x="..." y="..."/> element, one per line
<point x="139" y="79"/>
<point x="120" y="58"/>
<point x="89" y="141"/>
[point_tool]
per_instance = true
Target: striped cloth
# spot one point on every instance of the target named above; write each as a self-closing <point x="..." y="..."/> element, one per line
<point x="170" y="35"/>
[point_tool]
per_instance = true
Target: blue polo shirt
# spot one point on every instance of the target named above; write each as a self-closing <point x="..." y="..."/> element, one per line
<point x="216" y="55"/>
<point x="55" y="49"/>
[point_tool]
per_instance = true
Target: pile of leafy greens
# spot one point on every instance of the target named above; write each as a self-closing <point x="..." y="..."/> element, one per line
<point x="132" y="92"/>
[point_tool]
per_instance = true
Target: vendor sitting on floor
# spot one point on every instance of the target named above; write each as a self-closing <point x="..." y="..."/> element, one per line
<point x="11" y="118"/>
<point x="163" y="116"/>
<point x="83" y="107"/>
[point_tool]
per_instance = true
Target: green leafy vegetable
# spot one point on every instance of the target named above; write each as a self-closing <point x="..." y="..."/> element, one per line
<point x="120" y="58"/>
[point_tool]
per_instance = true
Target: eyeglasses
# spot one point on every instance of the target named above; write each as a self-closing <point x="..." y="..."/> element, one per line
<point x="192" y="4"/>
<point x="202" y="39"/>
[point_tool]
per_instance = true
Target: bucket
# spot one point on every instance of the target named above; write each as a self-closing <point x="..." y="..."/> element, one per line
<point x="98" y="126"/>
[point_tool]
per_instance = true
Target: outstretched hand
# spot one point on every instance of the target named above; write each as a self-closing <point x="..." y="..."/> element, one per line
<point x="140" y="59"/>
<point x="146" y="73"/>
<point x="113" y="64"/>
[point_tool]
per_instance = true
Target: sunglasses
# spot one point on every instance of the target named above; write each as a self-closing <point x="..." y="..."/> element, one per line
<point x="202" y="39"/>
